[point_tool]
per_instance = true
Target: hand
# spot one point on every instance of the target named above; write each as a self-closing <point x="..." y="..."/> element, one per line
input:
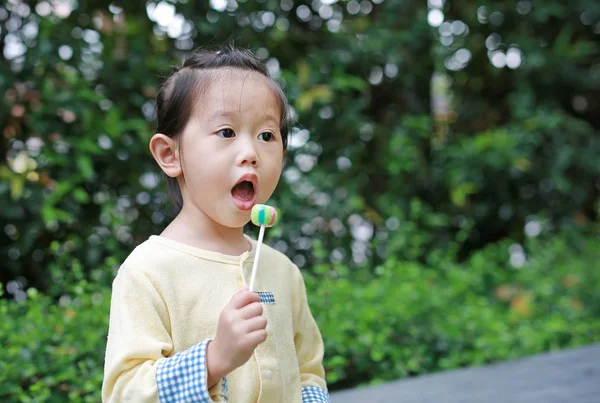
<point x="240" y="329"/>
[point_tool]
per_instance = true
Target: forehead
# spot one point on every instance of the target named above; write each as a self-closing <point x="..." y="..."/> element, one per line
<point x="242" y="92"/>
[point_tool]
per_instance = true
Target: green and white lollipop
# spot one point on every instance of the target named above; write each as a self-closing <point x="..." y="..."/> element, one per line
<point x="263" y="216"/>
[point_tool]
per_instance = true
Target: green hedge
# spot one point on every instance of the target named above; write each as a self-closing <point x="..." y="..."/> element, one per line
<point x="384" y="125"/>
<point x="407" y="319"/>
<point x="401" y="319"/>
<point x="53" y="351"/>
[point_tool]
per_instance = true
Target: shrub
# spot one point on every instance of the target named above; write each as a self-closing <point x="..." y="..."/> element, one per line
<point x="407" y="319"/>
<point x="54" y="351"/>
<point x="400" y="319"/>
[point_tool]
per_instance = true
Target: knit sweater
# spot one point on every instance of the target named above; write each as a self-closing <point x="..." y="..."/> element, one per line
<point x="166" y="301"/>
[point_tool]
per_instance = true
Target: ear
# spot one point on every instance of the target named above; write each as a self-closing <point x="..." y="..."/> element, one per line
<point x="165" y="152"/>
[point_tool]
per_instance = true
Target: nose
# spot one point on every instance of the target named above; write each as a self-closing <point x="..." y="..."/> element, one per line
<point x="248" y="154"/>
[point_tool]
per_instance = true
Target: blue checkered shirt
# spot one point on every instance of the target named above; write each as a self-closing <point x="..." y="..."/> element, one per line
<point x="314" y="394"/>
<point x="266" y="297"/>
<point x="182" y="378"/>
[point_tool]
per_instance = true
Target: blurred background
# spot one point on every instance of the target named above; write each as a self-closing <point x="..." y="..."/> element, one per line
<point x="441" y="191"/>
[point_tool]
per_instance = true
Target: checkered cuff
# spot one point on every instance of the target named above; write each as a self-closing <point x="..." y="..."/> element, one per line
<point x="182" y="377"/>
<point x="314" y="394"/>
<point x="266" y="297"/>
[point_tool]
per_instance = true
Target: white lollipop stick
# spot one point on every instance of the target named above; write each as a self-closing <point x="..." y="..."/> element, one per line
<point x="261" y="235"/>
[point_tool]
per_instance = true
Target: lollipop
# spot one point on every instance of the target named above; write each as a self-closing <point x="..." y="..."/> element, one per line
<point x="263" y="216"/>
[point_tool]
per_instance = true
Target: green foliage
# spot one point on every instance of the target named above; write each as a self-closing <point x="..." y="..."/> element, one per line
<point x="423" y="151"/>
<point x="406" y="318"/>
<point x="77" y="114"/>
<point x="400" y="320"/>
<point x="54" y="351"/>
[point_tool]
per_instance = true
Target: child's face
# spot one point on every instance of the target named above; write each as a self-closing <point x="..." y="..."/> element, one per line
<point x="232" y="150"/>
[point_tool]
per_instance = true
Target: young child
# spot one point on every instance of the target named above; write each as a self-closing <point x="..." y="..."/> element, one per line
<point x="183" y="325"/>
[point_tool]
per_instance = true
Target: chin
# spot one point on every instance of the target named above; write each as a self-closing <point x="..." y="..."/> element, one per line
<point x="238" y="220"/>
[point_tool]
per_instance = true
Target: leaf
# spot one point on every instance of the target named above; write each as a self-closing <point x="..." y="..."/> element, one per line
<point x="80" y="195"/>
<point x="64" y="216"/>
<point x="48" y="214"/>
<point x="320" y="93"/>
<point x="17" y="183"/>
<point x="84" y="163"/>
<point x="562" y="42"/>
<point x="112" y="123"/>
<point x="348" y="82"/>
<point x="60" y="191"/>
<point x="303" y="73"/>
<point x="522" y="164"/>
<point x="460" y="193"/>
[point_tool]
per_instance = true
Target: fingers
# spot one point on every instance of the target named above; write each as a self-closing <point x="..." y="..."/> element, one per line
<point x="256" y="337"/>
<point x="251" y="310"/>
<point x="257" y="323"/>
<point x="243" y="297"/>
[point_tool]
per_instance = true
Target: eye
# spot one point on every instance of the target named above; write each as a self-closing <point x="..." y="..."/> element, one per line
<point x="266" y="136"/>
<point x="226" y="133"/>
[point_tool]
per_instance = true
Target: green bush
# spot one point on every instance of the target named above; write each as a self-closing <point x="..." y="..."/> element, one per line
<point x="404" y="158"/>
<point x="77" y="183"/>
<point x="53" y="351"/>
<point x="401" y="319"/>
<point x="406" y="318"/>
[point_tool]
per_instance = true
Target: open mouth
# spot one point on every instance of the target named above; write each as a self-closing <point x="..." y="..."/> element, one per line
<point x="243" y="191"/>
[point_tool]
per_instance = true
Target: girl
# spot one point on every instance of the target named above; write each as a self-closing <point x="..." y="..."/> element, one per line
<point x="183" y="325"/>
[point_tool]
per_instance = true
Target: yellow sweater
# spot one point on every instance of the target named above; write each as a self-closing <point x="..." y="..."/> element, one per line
<point x="166" y="300"/>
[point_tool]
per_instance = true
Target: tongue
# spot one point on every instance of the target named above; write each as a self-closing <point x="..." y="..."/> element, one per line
<point x="243" y="191"/>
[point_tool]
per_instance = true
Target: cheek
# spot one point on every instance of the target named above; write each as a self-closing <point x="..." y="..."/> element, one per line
<point x="203" y="160"/>
<point x="206" y="173"/>
<point x="274" y="170"/>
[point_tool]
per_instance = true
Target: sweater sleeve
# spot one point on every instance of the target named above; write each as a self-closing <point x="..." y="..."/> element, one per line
<point x="309" y="350"/>
<point x="136" y="367"/>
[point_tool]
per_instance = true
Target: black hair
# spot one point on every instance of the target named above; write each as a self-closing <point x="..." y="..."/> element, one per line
<point x="177" y="98"/>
